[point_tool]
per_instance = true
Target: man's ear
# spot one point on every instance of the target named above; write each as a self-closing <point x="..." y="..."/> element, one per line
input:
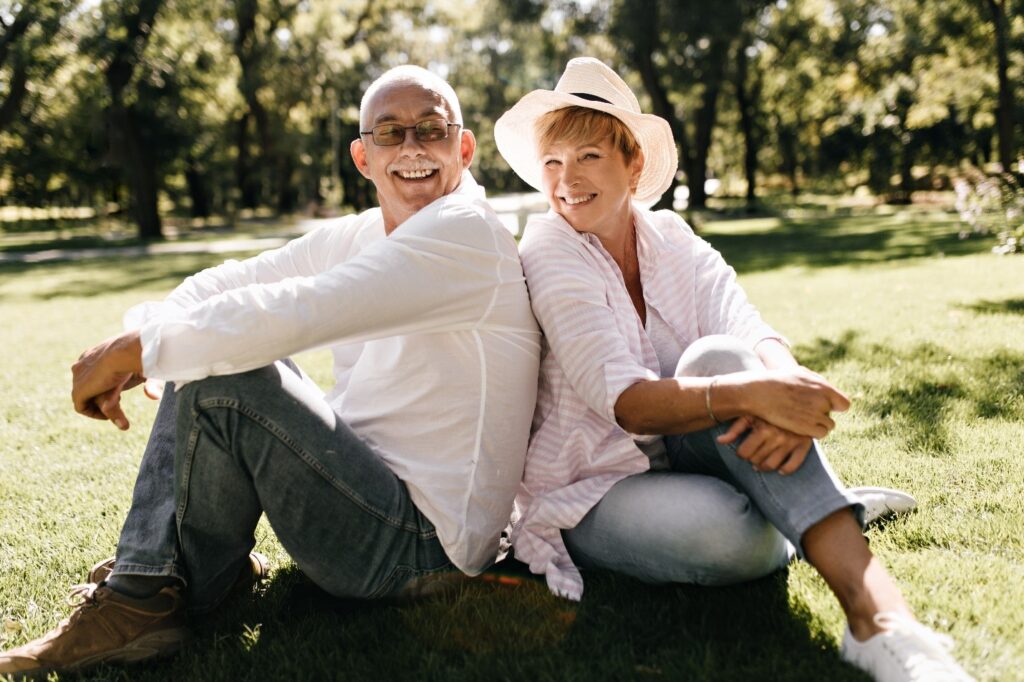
<point x="358" y="152"/>
<point x="467" y="147"/>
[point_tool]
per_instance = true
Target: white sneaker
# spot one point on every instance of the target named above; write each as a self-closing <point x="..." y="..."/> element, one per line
<point x="883" y="502"/>
<point x="905" y="651"/>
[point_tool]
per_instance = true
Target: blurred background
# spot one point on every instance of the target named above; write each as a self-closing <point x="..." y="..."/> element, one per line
<point x="148" y="119"/>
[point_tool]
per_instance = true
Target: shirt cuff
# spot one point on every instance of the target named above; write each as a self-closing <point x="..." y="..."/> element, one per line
<point x="617" y="378"/>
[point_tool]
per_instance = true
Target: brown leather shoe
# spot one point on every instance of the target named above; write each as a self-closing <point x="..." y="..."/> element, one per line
<point x="259" y="569"/>
<point x="105" y="627"/>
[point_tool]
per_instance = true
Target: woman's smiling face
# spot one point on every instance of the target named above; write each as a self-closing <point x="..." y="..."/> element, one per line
<point x="589" y="184"/>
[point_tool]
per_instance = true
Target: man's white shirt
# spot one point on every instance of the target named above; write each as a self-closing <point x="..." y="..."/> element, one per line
<point x="434" y="343"/>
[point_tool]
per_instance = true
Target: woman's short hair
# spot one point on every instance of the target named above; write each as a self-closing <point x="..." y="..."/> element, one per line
<point x="581" y="125"/>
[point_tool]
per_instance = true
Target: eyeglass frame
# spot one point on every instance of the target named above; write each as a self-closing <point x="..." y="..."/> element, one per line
<point x="405" y="130"/>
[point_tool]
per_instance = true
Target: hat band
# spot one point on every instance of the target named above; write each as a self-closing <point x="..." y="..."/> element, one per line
<point x="588" y="96"/>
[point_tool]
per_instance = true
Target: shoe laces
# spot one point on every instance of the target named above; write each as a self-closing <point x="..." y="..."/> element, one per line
<point x="82" y="594"/>
<point x="925" y="652"/>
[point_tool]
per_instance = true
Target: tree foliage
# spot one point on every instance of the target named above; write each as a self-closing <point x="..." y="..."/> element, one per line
<point x="203" y="109"/>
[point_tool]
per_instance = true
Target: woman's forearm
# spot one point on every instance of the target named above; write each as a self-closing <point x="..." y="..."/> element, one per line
<point x="677" y="405"/>
<point x="797" y="400"/>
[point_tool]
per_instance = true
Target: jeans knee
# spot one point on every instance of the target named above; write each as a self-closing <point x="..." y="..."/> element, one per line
<point x="717" y="354"/>
<point x="232" y="386"/>
<point x="743" y="546"/>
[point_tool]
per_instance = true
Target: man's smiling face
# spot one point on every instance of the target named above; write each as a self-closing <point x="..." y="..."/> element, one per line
<point x="414" y="173"/>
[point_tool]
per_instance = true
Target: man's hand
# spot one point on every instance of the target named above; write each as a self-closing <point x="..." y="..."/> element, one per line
<point x="102" y="373"/>
<point x="767" y="447"/>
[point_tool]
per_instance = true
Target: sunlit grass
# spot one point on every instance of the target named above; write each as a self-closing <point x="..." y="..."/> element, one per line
<point x="927" y="345"/>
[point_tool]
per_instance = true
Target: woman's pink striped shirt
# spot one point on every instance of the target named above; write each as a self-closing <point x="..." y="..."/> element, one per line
<point x="594" y="348"/>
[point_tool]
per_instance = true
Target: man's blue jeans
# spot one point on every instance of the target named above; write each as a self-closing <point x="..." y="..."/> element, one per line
<point x="710" y="519"/>
<point x="226" y="449"/>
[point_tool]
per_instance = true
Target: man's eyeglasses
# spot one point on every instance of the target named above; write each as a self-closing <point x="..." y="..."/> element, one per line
<point x="390" y="134"/>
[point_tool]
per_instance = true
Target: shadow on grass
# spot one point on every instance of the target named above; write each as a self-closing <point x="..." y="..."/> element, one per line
<point x="76" y="242"/>
<point x="928" y="381"/>
<point x="1011" y="306"/>
<point x="103" y="275"/>
<point x="811" y="242"/>
<point x="854" y="240"/>
<point x="622" y="630"/>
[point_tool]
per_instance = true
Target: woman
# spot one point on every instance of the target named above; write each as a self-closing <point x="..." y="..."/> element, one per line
<point x="647" y="335"/>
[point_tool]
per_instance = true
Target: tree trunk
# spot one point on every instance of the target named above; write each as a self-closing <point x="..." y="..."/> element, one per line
<point x="16" y="89"/>
<point x="245" y="174"/>
<point x="906" y="191"/>
<point x="10" y="106"/>
<point x="1004" y="113"/>
<point x="642" y="59"/>
<point x="197" y="192"/>
<point x="129" y="149"/>
<point x="139" y="170"/>
<point x="745" y="97"/>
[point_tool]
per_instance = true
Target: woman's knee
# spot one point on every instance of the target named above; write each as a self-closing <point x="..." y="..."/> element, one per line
<point x="739" y="544"/>
<point x="717" y="354"/>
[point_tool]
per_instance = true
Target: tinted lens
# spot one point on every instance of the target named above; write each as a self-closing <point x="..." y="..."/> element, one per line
<point x="431" y="131"/>
<point x="388" y="134"/>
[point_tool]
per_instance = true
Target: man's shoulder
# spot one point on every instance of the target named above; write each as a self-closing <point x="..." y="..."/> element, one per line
<point x="457" y="218"/>
<point x="458" y="206"/>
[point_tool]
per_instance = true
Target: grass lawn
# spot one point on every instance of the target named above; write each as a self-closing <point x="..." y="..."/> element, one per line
<point x="925" y="331"/>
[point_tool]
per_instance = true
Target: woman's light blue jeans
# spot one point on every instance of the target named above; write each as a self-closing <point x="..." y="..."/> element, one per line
<point x="226" y="449"/>
<point x="710" y="519"/>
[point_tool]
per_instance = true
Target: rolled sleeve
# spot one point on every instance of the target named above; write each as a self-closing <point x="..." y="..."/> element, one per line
<point x="569" y="300"/>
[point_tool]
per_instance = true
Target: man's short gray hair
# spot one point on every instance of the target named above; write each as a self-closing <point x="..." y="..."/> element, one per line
<point x="408" y="74"/>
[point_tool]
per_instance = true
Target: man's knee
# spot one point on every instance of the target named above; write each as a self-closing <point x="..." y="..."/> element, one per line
<point x="717" y="354"/>
<point x="243" y="385"/>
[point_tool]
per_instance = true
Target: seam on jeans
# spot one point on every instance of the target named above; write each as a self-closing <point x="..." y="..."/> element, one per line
<point x="409" y="573"/>
<point x="314" y="464"/>
<point x="186" y="474"/>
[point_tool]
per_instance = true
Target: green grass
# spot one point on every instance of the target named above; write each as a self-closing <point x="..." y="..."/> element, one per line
<point x="923" y="330"/>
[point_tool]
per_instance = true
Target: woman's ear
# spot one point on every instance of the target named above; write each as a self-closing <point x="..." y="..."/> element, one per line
<point x="636" y="168"/>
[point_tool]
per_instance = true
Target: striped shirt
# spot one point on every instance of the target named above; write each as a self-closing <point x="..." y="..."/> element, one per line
<point x="594" y="348"/>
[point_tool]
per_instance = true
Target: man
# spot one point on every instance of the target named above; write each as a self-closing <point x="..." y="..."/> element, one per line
<point x="405" y="470"/>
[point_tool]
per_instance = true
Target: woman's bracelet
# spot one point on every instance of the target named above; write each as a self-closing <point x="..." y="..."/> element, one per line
<point x="707" y="400"/>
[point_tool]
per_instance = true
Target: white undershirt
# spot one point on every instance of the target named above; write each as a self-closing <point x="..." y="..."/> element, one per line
<point x="668" y="350"/>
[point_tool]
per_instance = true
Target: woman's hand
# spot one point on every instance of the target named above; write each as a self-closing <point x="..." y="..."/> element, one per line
<point x="795" y="399"/>
<point x="766" y="446"/>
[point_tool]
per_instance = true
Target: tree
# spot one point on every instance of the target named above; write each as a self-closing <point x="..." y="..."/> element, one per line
<point x="23" y="40"/>
<point x="120" y="42"/>
<point x="997" y="10"/>
<point x="681" y="52"/>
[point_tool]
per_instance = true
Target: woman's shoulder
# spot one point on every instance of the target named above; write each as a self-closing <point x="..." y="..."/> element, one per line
<point x="668" y="224"/>
<point x="548" y="233"/>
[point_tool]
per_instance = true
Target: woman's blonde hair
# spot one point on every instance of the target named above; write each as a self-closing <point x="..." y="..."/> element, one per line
<point x="581" y="125"/>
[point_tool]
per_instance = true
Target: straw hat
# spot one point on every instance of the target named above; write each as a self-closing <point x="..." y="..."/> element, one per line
<point x="589" y="83"/>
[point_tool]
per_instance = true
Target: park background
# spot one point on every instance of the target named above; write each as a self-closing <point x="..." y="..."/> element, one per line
<point x="859" y="162"/>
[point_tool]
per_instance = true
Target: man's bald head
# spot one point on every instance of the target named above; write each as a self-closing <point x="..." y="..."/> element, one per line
<point x="410" y="75"/>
